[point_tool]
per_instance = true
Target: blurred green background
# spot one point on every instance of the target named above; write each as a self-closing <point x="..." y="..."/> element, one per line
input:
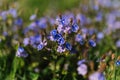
<point x="41" y="7"/>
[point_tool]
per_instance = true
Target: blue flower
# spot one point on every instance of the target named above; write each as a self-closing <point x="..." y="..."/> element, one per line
<point x="13" y="12"/>
<point x="97" y="76"/>
<point x="25" y="30"/>
<point x="40" y="46"/>
<point x="68" y="46"/>
<point x="118" y="43"/>
<point x="91" y="31"/>
<point x="3" y="14"/>
<point x="95" y="7"/>
<point x="100" y="35"/>
<point x="79" y="39"/>
<point x="82" y="18"/>
<point x="21" y="52"/>
<point x="81" y="62"/>
<point x="35" y="40"/>
<point x="5" y="33"/>
<point x="118" y="62"/>
<point x="92" y="43"/>
<point x="18" y="22"/>
<point x="75" y="28"/>
<point x="82" y="42"/>
<point x="61" y="49"/>
<point x="61" y="41"/>
<point x="42" y="23"/>
<point x="99" y="17"/>
<point x="33" y="17"/>
<point x="53" y="32"/>
<point x="57" y="36"/>
<point x="61" y="20"/>
<point x="26" y="41"/>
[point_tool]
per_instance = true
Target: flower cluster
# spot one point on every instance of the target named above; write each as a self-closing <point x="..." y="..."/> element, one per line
<point x="81" y="33"/>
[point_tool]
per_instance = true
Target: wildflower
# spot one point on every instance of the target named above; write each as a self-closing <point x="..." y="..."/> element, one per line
<point x="44" y="42"/>
<point x="99" y="17"/>
<point x="84" y="30"/>
<point x="18" y="22"/>
<point x="33" y="17"/>
<point x="67" y="29"/>
<point x="118" y="62"/>
<point x="25" y="30"/>
<point x="97" y="76"/>
<point x="40" y="46"/>
<point x="100" y="35"/>
<point x="42" y="23"/>
<point x="61" y="41"/>
<point x="51" y="38"/>
<point x="60" y="28"/>
<point x="26" y="41"/>
<point x="13" y="12"/>
<point x="60" y="20"/>
<point x="34" y="40"/>
<point x="105" y="3"/>
<point x="51" y="21"/>
<point x="68" y="46"/>
<point x="82" y="69"/>
<point x="61" y="49"/>
<point x="75" y="28"/>
<point x="5" y="33"/>
<point x="82" y="18"/>
<point x="32" y="26"/>
<point x="92" y="43"/>
<point x="21" y="52"/>
<point x="57" y="36"/>
<point x="118" y="44"/>
<point x="3" y="14"/>
<point x="79" y="39"/>
<point x="53" y="32"/>
<point x="80" y="62"/>
<point x="91" y="31"/>
<point x="38" y="38"/>
<point x="95" y="7"/>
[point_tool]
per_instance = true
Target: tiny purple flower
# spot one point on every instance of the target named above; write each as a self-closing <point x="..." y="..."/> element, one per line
<point x="68" y="46"/>
<point x="13" y="12"/>
<point x="53" y="32"/>
<point x="33" y="17"/>
<point x="100" y="35"/>
<point x="21" y="52"/>
<point x="75" y="28"/>
<point x="42" y="23"/>
<point x="40" y="46"/>
<point x="81" y="61"/>
<point x="92" y="43"/>
<point x="97" y="76"/>
<point x="118" y="44"/>
<point x="18" y="22"/>
<point x="60" y="49"/>
<point x="118" y="63"/>
<point x="57" y="36"/>
<point x="26" y="41"/>
<point x="61" y="41"/>
<point x="79" y="39"/>
<point x="82" y="69"/>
